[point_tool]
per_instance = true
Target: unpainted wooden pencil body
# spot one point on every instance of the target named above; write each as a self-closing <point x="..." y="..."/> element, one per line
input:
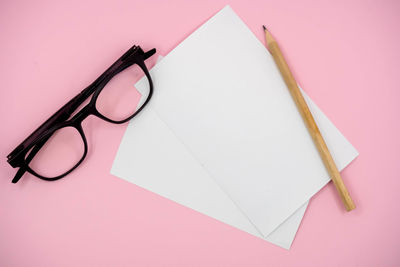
<point x="309" y="120"/>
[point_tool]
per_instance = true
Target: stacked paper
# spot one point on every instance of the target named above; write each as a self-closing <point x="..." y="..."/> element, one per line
<point x="222" y="135"/>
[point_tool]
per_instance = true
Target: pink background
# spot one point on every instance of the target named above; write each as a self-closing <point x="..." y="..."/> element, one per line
<point x="343" y="53"/>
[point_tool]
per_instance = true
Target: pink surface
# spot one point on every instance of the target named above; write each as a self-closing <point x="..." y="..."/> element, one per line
<point x="344" y="54"/>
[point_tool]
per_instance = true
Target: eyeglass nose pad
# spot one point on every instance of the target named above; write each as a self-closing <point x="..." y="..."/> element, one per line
<point x="149" y="53"/>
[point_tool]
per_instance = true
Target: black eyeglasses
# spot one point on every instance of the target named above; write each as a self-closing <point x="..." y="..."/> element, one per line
<point x="59" y="145"/>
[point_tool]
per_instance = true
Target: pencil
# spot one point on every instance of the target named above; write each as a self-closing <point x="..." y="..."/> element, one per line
<point x="312" y="127"/>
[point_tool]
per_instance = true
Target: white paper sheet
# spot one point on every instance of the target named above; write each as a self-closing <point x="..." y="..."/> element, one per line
<point x="180" y="175"/>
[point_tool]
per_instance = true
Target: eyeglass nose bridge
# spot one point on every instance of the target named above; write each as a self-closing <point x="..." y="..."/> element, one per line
<point x="82" y="114"/>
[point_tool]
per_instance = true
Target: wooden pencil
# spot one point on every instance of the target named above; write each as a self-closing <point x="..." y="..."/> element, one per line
<point x="312" y="127"/>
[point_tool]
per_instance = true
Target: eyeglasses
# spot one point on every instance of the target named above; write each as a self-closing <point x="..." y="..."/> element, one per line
<point x="59" y="145"/>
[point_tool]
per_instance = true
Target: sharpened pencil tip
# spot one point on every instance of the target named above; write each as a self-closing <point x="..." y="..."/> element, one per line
<point x="265" y="28"/>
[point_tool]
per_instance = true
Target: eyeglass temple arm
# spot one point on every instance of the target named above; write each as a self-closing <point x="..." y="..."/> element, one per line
<point x="149" y="53"/>
<point x="61" y="115"/>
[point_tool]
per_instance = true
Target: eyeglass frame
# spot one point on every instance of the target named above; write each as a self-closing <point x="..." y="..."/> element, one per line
<point x="61" y="119"/>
